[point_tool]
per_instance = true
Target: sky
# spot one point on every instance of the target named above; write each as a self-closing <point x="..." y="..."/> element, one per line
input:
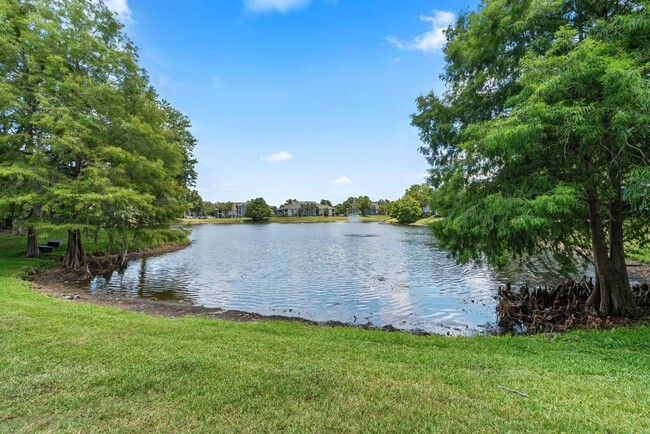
<point x="296" y="99"/>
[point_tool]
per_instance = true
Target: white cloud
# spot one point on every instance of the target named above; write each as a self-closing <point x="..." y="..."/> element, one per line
<point x="432" y="40"/>
<point x="166" y="82"/>
<point x="277" y="157"/>
<point x="341" y="180"/>
<point x="282" y="6"/>
<point x="121" y="8"/>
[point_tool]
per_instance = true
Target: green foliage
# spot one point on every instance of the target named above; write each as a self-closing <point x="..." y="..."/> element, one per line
<point x="406" y="210"/>
<point x="195" y="202"/>
<point x="384" y="206"/>
<point x="546" y="111"/>
<point x="341" y="209"/>
<point x="84" y="140"/>
<point x="363" y="204"/>
<point x="258" y="210"/>
<point x="420" y="192"/>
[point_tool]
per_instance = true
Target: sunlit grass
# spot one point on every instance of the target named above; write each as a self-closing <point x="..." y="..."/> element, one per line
<point x="426" y="221"/>
<point x="374" y="218"/>
<point x="639" y="253"/>
<point x="272" y="220"/>
<point x="74" y="367"/>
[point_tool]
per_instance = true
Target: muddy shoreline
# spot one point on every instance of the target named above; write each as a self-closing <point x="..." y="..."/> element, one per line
<point x="60" y="283"/>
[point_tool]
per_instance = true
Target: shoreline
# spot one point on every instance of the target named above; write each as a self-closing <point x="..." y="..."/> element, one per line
<point x="60" y="283"/>
<point x="57" y="282"/>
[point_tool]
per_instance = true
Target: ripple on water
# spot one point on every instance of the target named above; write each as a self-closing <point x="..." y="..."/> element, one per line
<point x="348" y="272"/>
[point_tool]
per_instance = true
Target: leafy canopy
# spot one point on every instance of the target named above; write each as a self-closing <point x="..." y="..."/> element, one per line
<point x="406" y="210"/>
<point x="540" y="142"/>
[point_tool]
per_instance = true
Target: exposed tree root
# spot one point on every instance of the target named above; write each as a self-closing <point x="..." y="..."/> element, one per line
<point x="559" y="308"/>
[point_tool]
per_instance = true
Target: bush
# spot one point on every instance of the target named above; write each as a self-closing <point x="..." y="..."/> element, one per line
<point x="406" y="210"/>
<point x="258" y="210"/>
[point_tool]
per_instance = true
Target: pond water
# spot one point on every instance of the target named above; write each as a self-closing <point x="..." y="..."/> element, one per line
<point x="352" y="272"/>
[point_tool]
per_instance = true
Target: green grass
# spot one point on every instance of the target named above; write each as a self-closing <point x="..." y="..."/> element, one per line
<point x="192" y="221"/>
<point x="426" y="221"/>
<point x="72" y="367"/>
<point x="374" y="218"/>
<point x="388" y="219"/>
<point x="147" y="238"/>
<point x="639" y="253"/>
<point x="272" y="220"/>
<point x="308" y="219"/>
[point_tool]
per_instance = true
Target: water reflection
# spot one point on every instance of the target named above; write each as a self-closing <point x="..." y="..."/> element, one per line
<point x="347" y="271"/>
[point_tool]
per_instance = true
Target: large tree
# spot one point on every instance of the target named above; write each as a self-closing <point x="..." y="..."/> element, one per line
<point x="542" y="133"/>
<point x="101" y="151"/>
<point x="406" y="210"/>
<point x="420" y="192"/>
<point x="363" y="204"/>
<point x="258" y="210"/>
<point x="23" y="57"/>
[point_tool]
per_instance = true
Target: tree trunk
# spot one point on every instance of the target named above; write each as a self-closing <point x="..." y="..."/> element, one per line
<point x="123" y="256"/>
<point x="612" y="294"/>
<point x="75" y="257"/>
<point x="32" y="243"/>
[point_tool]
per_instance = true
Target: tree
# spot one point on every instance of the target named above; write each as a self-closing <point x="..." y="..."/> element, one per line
<point x="258" y="210"/>
<point x="209" y="208"/>
<point x="341" y="209"/>
<point x="543" y="123"/>
<point x="195" y="202"/>
<point x="420" y="192"/>
<point x="363" y="204"/>
<point x="325" y="202"/>
<point x="406" y="210"/>
<point x="224" y="207"/>
<point x="384" y="206"/>
<point x="86" y="143"/>
<point x="22" y="71"/>
<point x="348" y="206"/>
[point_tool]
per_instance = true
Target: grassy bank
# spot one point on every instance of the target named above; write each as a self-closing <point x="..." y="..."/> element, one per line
<point x="638" y="253"/>
<point x="308" y="219"/>
<point x="272" y="220"/>
<point x="69" y="366"/>
<point x="374" y="218"/>
<point x="426" y="221"/>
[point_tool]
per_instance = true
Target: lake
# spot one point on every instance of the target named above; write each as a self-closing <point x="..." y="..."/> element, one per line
<point x="351" y="272"/>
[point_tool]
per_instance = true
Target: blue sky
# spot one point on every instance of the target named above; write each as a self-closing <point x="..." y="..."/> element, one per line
<point x="306" y="99"/>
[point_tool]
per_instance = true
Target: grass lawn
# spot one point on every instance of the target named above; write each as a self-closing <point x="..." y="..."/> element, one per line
<point x="73" y="367"/>
<point x="374" y="218"/>
<point x="426" y="221"/>
<point x="639" y="253"/>
<point x="272" y="220"/>
<point x="190" y="222"/>
<point x="308" y="219"/>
